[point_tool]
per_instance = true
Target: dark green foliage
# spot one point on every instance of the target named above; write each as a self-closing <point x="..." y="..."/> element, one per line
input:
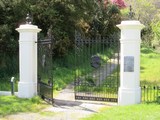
<point x="105" y="20"/>
<point x="61" y="16"/>
<point x="12" y="13"/>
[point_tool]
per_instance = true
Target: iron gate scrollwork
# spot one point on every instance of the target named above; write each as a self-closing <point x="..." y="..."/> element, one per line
<point x="96" y="68"/>
<point x="45" y="77"/>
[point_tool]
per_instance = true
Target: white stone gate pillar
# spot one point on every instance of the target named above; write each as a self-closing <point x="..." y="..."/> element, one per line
<point x="129" y="91"/>
<point x="27" y="86"/>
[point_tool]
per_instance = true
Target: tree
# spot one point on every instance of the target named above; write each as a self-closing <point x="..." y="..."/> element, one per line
<point x="119" y="3"/>
<point x="147" y="13"/>
<point x="62" y="16"/>
<point x="10" y="20"/>
<point x="102" y="16"/>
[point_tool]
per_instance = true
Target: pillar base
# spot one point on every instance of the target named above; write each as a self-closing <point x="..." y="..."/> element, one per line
<point x="129" y="96"/>
<point x="27" y="90"/>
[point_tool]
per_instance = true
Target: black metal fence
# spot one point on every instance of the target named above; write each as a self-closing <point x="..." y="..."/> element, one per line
<point x="150" y="93"/>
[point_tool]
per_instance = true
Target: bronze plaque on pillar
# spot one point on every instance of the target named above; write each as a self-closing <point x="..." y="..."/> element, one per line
<point x="128" y="64"/>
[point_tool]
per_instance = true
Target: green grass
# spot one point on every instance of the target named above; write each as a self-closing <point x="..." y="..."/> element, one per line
<point x="62" y="77"/>
<point x="134" y="112"/>
<point x="12" y="104"/>
<point x="48" y="113"/>
<point x="150" y="74"/>
<point x="150" y="67"/>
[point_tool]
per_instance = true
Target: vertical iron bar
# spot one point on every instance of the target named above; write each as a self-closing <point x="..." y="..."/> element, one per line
<point x="52" y="79"/>
<point x="80" y="67"/>
<point x="98" y="72"/>
<point x="95" y="69"/>
<point x="76" y="64"/>
<point x="154" y="96"/>
<point x="158" y="91"/>
<point x="75" y="76"/>
<point x="110" y="65"/>
<point x="107" y="66"/>
<point x="150" y="90"/>
<point x="103" y="67"/>
<point x="142" y="93"/>
<point x="147" y="93"/>
<point x="118" y="71"/>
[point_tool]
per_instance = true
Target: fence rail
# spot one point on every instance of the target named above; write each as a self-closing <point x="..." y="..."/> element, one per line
<point x="150" y="93"/>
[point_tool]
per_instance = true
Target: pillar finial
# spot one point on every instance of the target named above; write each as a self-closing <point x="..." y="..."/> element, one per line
<point x="131" y="13"/>
<point x="28" y="19"/>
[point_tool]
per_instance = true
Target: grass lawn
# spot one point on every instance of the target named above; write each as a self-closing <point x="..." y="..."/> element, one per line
<point x="12" y="104"/>
<point x="150" y="67"/>
<point x="135" y="112"/>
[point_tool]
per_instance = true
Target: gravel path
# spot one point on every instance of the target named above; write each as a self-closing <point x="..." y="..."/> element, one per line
<point x="65" y="108"/>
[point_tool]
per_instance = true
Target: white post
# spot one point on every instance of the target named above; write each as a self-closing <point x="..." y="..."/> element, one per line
<point x="129" y="91"/>
<point x="27" y="86"/>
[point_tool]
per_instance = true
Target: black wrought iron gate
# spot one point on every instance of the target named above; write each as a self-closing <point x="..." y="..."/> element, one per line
<point x="97" y="68"/>
<point x="45" y="77"/>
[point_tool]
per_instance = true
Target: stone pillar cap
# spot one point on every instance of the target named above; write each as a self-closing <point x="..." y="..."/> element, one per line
<point x="130" y="22"/>
<point x="28" y="28"/>
<point x="134" y="24"/>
